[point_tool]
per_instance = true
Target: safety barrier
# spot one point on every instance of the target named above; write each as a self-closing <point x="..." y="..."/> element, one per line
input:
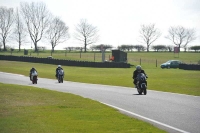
<point x="65" y="62"/>
<point x="189" y="66"/>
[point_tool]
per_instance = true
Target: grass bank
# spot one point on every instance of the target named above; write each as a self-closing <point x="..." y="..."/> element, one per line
<point x="27" y="109"/>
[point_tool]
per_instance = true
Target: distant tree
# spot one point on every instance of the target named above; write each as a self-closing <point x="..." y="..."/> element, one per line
<point x="149" y="34"/>
<point x="86" y="33"/>
<point x="139" y="47"/>
<point x="195" y="48"/>
<point x="44" y="48"/>
<point x="79" y="49"/>
<point x="93" y="47"/>
<point x="19" y="30"/>
<point x="170" y="48"/>
<point x="1" y="46"/>
<point x="191" y="36"/>
<point x="57" y="32"/>
<point x="159" y="48"/>
<point x="125" y="47"/>
<point x="181" y="36"/>
<point x="100" y="46"/>
<point x="69" y="48"/>
<point x="36" y="17"/>
<point x="6" y="21"/>
<point x="120" y="48"/>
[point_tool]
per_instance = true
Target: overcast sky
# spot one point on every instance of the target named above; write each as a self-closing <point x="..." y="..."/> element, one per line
<point x="119" y="21"/>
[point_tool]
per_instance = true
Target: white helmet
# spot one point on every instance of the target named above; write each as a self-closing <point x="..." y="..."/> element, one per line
<point x="138" y="68"/>
<point x="59" y="66"/>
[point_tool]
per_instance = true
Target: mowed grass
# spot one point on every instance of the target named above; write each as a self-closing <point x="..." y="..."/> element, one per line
<point x="34" y="110"/>
<point x="168" y="80"/>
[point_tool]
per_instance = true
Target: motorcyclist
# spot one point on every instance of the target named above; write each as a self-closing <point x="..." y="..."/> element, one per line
<point x="31" y="71"/>
<point x="136" y="72"/>
<point x="57" y="69"/>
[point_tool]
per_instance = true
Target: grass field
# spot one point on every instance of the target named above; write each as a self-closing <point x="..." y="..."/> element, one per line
<point x="27" y="109"/>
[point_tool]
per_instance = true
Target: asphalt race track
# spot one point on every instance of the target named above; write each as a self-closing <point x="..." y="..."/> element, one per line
<point x="174" y="113"/>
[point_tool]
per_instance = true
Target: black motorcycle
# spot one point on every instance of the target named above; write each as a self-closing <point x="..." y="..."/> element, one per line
<point x="60" y="76"/>
<point x="34" y="77"/>
<point x="141" y="84"/>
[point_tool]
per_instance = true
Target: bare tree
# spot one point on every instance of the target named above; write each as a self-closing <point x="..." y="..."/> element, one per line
<point x="57" y="32"/>
<point x="149" y="34"/>
<point x="180" y="35"/>
<point x="19" y="30"/>
<point x="170" y="48"/>
<point x="36" y="17"/>
<point x="86" y="33"/>
<point x="190" y="37"/>
<point x="1" y="45"/>
<point x="6" y="21"/>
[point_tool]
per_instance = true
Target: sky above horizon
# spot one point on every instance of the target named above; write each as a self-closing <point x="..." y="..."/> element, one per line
<point x="119" y="21"/>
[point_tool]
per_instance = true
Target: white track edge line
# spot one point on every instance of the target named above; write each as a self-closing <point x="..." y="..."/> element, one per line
<point x="157" y="122"/>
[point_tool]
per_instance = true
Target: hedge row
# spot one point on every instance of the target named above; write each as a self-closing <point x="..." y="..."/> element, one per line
<point x="65" y="62"/>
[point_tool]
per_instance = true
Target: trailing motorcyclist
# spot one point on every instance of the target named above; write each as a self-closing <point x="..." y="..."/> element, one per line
<point x="136" y="72"/>
<point x="32" y="71"/>
<point x="57" y="70"/>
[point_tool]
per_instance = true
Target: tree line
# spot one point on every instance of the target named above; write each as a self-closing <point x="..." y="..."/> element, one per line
<point x="35" y="21"/>
<point x="129" y="48"/>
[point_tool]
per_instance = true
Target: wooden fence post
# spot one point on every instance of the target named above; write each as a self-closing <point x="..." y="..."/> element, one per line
<point x="94" y="57"/>
<point x="156" y="62"/>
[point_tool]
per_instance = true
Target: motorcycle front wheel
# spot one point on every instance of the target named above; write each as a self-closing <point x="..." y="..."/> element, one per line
<point x="139" y="90"/>
<point x="144" y="88"/>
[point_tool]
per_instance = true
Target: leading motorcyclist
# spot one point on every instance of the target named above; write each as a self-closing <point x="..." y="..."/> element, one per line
<point x="136" y="72"/>
<point x="31" y="71"/>
<point x="57" y="70"/>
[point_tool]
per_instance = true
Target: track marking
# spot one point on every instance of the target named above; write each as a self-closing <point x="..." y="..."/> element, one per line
<point x="11" y="73"/>
<point x="157" y="122"/>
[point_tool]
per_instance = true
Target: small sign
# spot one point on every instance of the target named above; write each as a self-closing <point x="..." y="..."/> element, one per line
<point x="176" y="49"/>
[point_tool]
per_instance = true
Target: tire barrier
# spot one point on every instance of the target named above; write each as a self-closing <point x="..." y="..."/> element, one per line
<point x="189" y="66"/>
<point x="65" y="62"/>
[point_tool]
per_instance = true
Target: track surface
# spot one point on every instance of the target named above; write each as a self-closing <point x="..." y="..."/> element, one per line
<point x="171" y="112"/>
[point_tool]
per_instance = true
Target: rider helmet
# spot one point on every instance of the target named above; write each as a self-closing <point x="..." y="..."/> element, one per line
<point x="138" y="68"/>
<point x="59" y="66"/>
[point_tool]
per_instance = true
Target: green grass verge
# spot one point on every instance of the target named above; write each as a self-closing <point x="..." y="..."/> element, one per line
<point x="147" y="59"/>
<point x="27" y="109"/>
<point x="168" y="80"/>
